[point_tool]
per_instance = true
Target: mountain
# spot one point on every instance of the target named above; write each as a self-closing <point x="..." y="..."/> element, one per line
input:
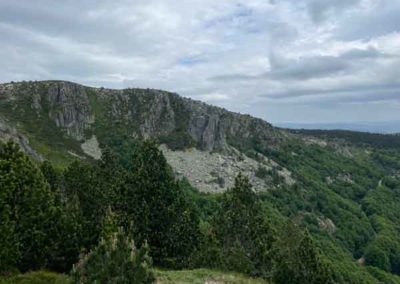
<point x="343" y="186"/>
<point x="63" y="120"/>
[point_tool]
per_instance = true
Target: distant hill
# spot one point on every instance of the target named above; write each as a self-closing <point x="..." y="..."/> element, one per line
<point x="354" y="137"/>
<point x="385" y="127"/>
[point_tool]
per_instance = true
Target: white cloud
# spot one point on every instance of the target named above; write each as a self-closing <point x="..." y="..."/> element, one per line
<point x="266" y="54"/>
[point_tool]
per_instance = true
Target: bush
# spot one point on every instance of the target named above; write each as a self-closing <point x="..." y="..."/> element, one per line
<point x="261" y="172"/>
<point x="115" y="260"/>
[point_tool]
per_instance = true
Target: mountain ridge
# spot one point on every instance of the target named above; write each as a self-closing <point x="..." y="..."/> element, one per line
<point x="74" y="98"/>
<point x="65" y="120"/>
<point x="343" y="188"/>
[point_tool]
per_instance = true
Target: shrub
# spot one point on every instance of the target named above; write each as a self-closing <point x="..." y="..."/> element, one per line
<point x="261" y="172"/>
<point x="115" y="260"/>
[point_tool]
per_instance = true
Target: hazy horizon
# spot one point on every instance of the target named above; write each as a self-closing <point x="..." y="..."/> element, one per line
<point x="382" y="127"/>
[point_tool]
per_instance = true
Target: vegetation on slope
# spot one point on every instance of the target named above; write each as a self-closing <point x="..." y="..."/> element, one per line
<point x="346" y="195"/>
<point x="57" y="224"/>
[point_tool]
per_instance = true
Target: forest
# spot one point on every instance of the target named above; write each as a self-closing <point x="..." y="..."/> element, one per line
<point x="121" y="219"/>
<point x="105" y="222"/>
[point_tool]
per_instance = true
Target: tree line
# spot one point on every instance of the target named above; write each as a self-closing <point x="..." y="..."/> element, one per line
<point x="109" y="221"/>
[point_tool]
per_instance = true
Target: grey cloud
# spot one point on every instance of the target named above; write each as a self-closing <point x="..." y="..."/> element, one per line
<point x="369" y="53"/>
<point x="225" y="51"/>
<point x="306" y="68"/>
<point x="341" y="95"/>
<point x="320" y="9"/>
<point x="383" y="19"/>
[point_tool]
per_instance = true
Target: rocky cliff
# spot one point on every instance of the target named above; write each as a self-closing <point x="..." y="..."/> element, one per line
<point x="145" y="113"/>
<point x="79" y="119"/>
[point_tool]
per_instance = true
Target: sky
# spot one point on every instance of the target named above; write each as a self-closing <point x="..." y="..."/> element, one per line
<point x="308" y="61"/>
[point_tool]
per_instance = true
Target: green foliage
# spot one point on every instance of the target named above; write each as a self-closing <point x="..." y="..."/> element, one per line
<point x="242" y="230"/>
<point x="48" y="216"/>
<point x="178" y="140"/>
<point x="43" y="133"/>
<point x="36" y="277"/>
<point x="79" y="180"/>
<point x="160" y="210"/>
<point x="9" y="247"/>
<point x="30" y="211"/>
<point x="115" y="260"/>
<point x="201" y="276"/>
<point x="356" y="138"/>
<point x="261" y="172"/>
<point x="51" y="175"/>
<point x="298" y="261"/>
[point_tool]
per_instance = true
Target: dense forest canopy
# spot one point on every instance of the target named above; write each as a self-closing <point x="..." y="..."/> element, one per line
<point x="50" y="217"/>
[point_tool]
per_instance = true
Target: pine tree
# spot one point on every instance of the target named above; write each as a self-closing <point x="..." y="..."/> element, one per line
<point x="51" y="175"/>
<point x="245" y="234"/>
<point x="109" y="224"/>
<point x="159" y="208"/>
<point x="298" y="260"/>
<point x="29" y="208"/>
<point x="69" y="234"/>
<point x="115" y="259"/>
<point x="9" y="247"/>
<point x="79" y="181"/>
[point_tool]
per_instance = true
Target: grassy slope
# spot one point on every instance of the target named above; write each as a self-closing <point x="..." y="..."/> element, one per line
<point x="201" y="276"/>
<point x="198" y="276"/>
<point x="37" y="277"/>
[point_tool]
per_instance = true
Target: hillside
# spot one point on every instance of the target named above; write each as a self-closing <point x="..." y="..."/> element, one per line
<point x="343" y="187"/>
<point x="200" y="276"/>
<point x="63" y="120"/>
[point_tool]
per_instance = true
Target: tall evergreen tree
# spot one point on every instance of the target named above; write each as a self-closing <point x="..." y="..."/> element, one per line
<point x="298" y="260"/>
<point x="245" y="234"/>
<point x="29" y="208"/>
<point x="160" y="211"/>
<point x="9" y="246"/>
<point x="52" y="177"/>
<point x="79" y="181"/>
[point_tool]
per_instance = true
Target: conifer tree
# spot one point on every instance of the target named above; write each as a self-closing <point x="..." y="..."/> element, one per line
<point x="51" y="175"/>
<point x="245" y="234"/>
<point x="298" y="260"/>
<point x="79" y="180"/>
<point x="9" y="247"/>
<point x="161" y="213"/>
<point x="29" y="209"/>
<point x="115" y="259"/>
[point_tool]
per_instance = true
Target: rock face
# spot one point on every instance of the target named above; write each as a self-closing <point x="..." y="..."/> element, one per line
<point x="216" y="172"/>
<point x="143" y="112"/>
<point x="91" y="148"/>
<point x="64" y="111"/>
<point x="69" y="108"/>
<point x="7" y="132"/>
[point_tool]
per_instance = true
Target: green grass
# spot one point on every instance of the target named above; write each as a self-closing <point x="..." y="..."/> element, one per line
<point x="36" y="277"/>
<point x="201" y="276"/>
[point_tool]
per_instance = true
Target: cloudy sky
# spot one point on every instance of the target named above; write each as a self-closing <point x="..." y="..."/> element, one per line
<point x="282" y="60"/>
